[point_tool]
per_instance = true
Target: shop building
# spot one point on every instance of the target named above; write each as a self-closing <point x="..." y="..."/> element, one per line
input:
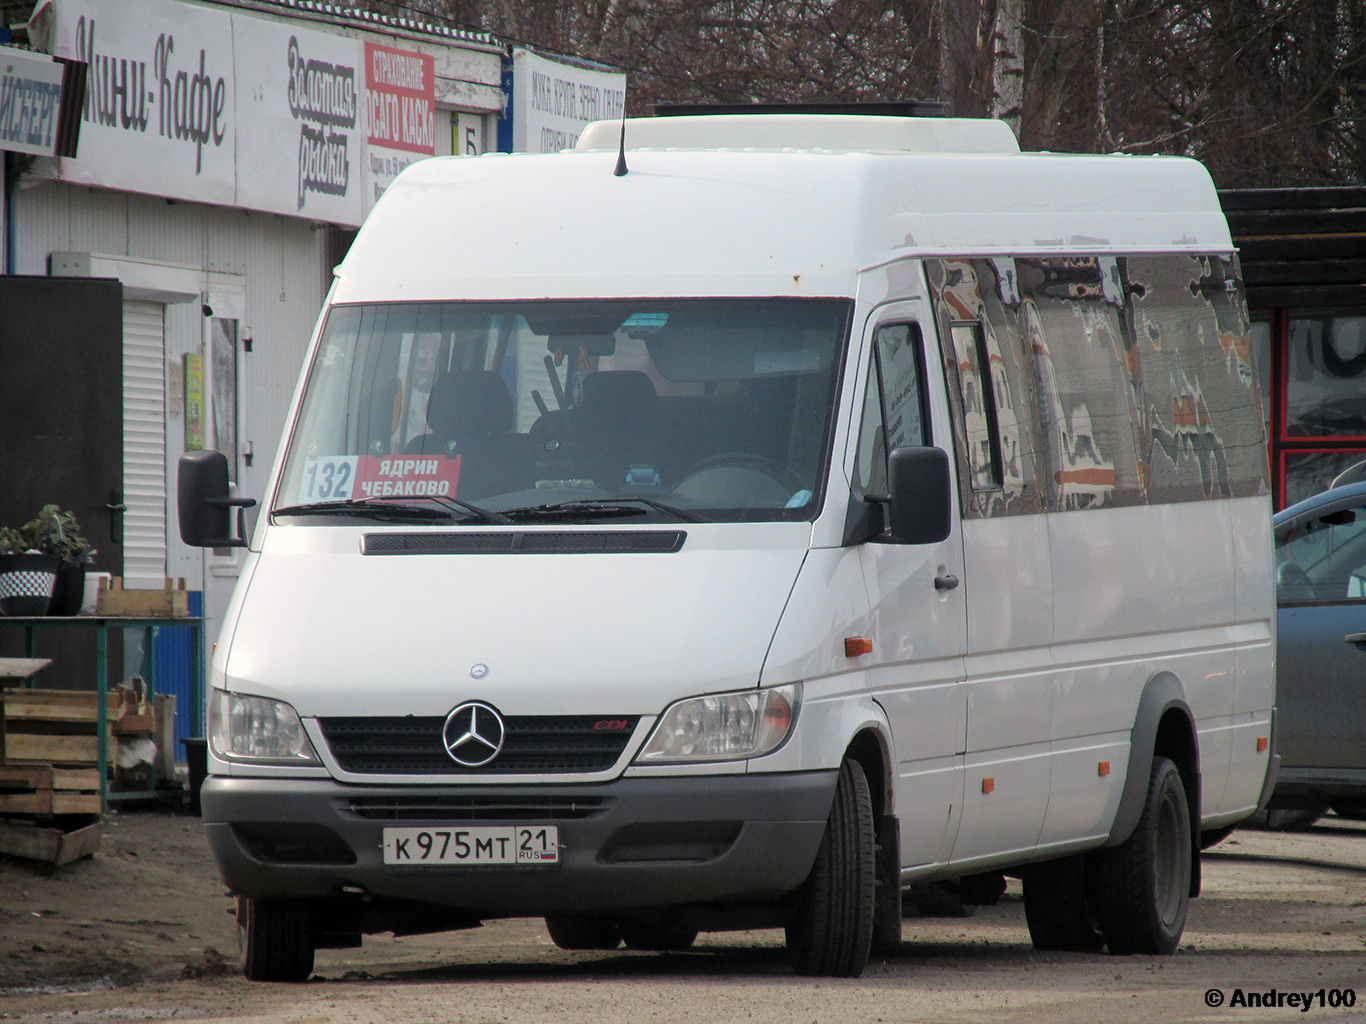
<point x="161" y="285"/>
<point x="1303" y="254"/>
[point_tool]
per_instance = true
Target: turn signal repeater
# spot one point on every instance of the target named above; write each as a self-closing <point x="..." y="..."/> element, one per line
<point x="1262" y="744"/>
<point x="854" y="646"/>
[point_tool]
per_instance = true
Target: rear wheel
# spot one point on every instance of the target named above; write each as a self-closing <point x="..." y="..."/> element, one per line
<point x="275" y="939"/>
<point x="574" y="931"/>
<point x="1142" y="886"/>
<point x="1056" y="908"/>
<point x="831" y="930"/>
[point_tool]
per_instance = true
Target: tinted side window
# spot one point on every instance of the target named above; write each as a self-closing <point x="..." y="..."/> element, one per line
<point x="894" y="410"/>
<point x="1323" y="560"/>
<point x="1118" y="380"/>
<point x="991" y="388"/>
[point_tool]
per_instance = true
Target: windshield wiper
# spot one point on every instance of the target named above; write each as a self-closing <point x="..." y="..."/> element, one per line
<point x="380" y="508"/>
<point x="367" y="508"/>
<point x="592" y="507"/>
<point x="484" y="515"/>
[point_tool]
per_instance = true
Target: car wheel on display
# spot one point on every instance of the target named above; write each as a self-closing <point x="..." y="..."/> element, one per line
<point x="583" y="931"/>
<point x="275" y="939"/>
<point x="1057" y="910"/>
<point x="664" y="936"/>
<point x="831" y="930"/>
<point x="1142" y="886"/>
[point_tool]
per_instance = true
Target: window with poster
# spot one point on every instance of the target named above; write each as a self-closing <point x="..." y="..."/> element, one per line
<point x="1322" y="423"/>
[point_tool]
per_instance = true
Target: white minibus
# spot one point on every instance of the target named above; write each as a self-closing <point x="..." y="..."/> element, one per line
<point x="736" y="520"/>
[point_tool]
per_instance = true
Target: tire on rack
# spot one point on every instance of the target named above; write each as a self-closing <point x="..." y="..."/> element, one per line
<point x="1141" y="887"/>
<point x="1057" y="910"/>
<point x="831" y="929"/>
<point x="667" y="935"/>
<point x="275" y="939"/>
<point x="583" y="931"/>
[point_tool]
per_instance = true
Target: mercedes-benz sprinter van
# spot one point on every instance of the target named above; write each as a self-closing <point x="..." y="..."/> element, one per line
<point x="824" y="505"/>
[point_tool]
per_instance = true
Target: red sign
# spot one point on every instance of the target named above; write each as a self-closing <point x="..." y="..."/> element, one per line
<point x="401" y="86"/>
<point x="405" y="476"/>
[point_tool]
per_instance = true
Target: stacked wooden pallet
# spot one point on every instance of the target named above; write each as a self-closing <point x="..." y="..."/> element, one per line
<point x="41" y="789"/>
<point x="56" y="730"/>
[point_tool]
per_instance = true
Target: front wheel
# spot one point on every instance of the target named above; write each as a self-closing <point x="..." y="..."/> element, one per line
<point x="275" y="939"/>
<point x="1142" y="886"/>
<point x="831" y="930"/>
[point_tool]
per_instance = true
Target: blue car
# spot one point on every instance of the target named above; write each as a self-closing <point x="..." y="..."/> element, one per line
<point x="1321" y="657"/>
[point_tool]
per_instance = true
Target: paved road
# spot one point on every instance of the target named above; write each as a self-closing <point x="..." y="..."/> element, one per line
<point x="1281" y="914"/>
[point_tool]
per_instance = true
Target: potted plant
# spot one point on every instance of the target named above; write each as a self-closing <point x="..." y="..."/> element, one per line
<point x="42" y="565"/>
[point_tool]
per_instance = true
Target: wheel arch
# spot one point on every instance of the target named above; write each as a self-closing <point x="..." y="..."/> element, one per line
<point x="1164" y="726"/>
<point x="870" y="749"/>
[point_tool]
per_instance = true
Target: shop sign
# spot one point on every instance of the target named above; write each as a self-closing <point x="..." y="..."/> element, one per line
<point x="300" y="95"/>
<point x="401" y="112"/>
<point x="30" y="102"/>
<point x="159" y="113"/>
<point x="552" y="102"/>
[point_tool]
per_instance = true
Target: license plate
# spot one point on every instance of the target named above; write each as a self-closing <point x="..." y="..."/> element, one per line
<point x="484" y="844"/>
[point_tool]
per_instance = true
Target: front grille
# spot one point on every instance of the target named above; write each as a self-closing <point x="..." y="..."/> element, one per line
<point x="456" y="807"/>
<point x="532" y="744"/>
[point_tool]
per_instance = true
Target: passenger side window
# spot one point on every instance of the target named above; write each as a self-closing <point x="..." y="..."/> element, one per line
<point x="980" y="414"/>
<point x="1324" y="560"/>
<point x="894" y="412"/>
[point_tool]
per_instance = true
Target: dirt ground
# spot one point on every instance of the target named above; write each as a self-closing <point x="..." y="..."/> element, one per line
<point x="144" y="931"/>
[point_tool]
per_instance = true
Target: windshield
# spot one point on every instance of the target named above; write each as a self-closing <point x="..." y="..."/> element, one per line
<point x="713" y="408"/>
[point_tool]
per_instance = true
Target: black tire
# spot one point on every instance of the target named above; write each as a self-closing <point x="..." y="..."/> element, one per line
<point x="1142" y="886"/>
<point x="831" y="930"/>
<point x="1056" y="907"/>
<point x="572" y="931"/>
<point x="275" y="939"/>
<point x="658" y="936"/>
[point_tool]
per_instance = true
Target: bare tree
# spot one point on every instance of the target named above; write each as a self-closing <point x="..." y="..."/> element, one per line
<point x="1263" y="91"/>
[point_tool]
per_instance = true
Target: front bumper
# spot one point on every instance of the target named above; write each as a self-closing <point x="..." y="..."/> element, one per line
<point x="632" y="843"/>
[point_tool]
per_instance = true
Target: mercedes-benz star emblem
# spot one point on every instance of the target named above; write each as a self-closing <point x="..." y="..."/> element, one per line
<point x="473" y="734"/>
<point x="479" y="671"/>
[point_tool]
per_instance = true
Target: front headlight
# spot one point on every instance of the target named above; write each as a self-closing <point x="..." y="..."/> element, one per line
<point x="724" y="726"/>
<point x="257" y="730"/>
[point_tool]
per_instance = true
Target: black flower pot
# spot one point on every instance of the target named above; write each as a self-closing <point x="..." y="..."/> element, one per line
<point x="70" y="589"/>
<point x="27" y="582"/>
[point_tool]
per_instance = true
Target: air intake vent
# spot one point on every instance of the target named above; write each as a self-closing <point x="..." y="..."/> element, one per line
<point x="458" y="807"/>
<point x="588" y="542"/>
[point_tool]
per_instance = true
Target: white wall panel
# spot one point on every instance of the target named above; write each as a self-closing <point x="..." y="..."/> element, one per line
<point x="144" y="444"/>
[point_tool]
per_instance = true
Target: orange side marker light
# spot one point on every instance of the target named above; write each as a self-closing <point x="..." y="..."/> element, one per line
<point x="1262" y="744"/>
<point x="988" y="785"/>
<point x="857" y="645"/>
<point x="1103" y="769"/>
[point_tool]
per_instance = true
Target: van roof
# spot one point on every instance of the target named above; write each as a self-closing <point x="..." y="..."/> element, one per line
<point x="754" y="222"/>
<point x="828" y="132"/>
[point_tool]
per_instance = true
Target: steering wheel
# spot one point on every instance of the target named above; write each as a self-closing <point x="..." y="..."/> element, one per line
<point x="771" y="484"/>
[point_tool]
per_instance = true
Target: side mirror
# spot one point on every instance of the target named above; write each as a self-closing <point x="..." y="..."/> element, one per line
<point x="920" y="507"/>
<point x="204" y="502"/>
